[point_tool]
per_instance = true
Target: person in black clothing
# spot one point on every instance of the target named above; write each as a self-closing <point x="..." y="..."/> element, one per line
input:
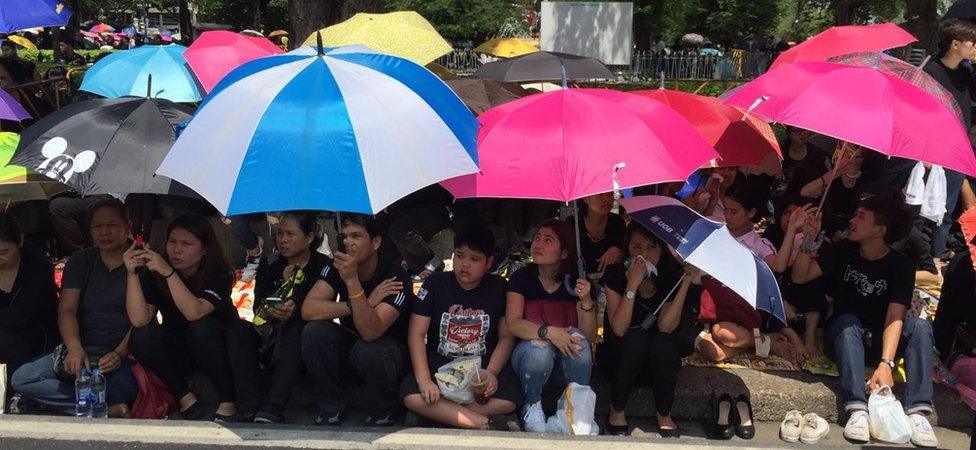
<point x="842" y="185"/>
<point x="462" y="314"/>
<point x="637" y="348"/>
<point x="411" y="223"/>
<point x="872" y="287"/>
<point x="371" y="297"/>
<point x="956" y="45"/>
<point x="296" y="266"/>
<point x="190" y="285"/>
<point x="92" y="321"/>
<point x="21" y="70"/>
<point x="67" y="46"/>
<point x="28" y="300"/>
<point x="601" y="232"/>
<point x="956" y="306"/>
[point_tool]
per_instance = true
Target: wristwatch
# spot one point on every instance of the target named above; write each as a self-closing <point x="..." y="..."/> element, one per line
<point x="889" y="362"/>
<point x="630" y="295"/>
<point x="543" y="331"/>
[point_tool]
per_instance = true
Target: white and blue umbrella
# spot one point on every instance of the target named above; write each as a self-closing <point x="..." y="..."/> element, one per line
<point x="346" y="129"/>
<point x="128" y="72"/>
<point x="707" y="245"/>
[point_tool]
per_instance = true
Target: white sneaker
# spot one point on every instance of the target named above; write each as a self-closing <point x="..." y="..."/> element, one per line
<point x="789" y="429"/>
<point x="857" y="427"/>
<point x="922" y="433"/>
<point x="534" y="418"/>
<point x="814" y="428"/>
<point x="251" y="263"/>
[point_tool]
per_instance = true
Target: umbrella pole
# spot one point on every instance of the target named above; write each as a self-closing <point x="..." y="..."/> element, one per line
<point x="149" y="87"/>
<point x="579" y="251"/>
<point x="833" y="175"/>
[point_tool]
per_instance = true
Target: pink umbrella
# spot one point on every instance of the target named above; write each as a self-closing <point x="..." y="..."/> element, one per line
<point x="10" y="108"/>
<point x="843" y="40"/>
<point x="571" y="143"/>
<point x="216" y="53"/>
<point x="863" y="106"/>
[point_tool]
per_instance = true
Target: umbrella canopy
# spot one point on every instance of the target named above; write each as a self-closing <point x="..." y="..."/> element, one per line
<point x="11" y="109"/>
<point x="277" y="33"/>
<point x="215" y="53"/>
<point x="102" y="28"/>
<point x="105" y="146"/>
<point x="540" y="66"/>
<point x="751" y="43"/>
<point x="481" y="95"/>
<point x="20" y="14"/>
<point x="901" y="69"/>
<point x="708" y="246"/>
<point x="506" y="47"/>
<point x="442" y="72"/>
<point x="863" y="106"/>
<point x="17" y="184"/>
<point x="842" y="40"/>
<point x="127" y="72"/>
<point x="571" y="143"/>
<point x="347" y="130"/>
<point x="961" y="9"/>
<point x="402" y="33"/>
<point x="738" y="142"/>
<point x="23" y="42"/>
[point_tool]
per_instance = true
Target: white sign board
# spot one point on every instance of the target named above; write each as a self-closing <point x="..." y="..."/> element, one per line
<point x="601" y="30"/>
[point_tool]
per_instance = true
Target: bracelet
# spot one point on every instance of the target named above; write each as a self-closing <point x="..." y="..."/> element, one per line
<point x="357" y="295"/>
<point x="591" y="308"/>
<point x="170" y="274"/>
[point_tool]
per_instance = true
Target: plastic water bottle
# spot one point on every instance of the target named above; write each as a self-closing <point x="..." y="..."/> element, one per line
<point x="82" y="393"/>
<point x="99" y="409"/>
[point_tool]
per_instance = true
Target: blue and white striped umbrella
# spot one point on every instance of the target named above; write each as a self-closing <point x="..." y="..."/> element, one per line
<point x="707" y="245"/>
<point x="347" y="129"/>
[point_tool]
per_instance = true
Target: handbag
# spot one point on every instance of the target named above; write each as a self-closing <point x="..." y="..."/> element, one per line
<point x="153" y="401"/>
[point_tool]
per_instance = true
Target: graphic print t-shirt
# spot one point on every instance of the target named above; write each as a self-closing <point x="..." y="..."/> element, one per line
<point x="865" y="288"/>
<point x="462" y="322"/>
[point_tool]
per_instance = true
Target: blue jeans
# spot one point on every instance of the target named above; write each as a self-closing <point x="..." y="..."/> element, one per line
<point x="847" y="335"/>
<point x="36" y="380"/>
<point x="534" y="362"/>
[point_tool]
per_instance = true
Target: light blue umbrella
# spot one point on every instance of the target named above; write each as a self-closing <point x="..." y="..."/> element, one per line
<point x="21" y="14"/>
<point x="127" y="72"/>
<point x="345" y="130"/>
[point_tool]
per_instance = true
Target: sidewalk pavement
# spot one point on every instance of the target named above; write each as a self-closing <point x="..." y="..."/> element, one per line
<point x="26" y="431"/>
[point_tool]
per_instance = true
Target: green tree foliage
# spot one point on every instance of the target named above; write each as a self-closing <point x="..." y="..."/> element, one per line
<point x="461" y="20"/>
<point x="726" y="20"/>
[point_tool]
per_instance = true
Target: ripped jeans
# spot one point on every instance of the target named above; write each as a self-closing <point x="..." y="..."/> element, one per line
<point x="534" y="361"/>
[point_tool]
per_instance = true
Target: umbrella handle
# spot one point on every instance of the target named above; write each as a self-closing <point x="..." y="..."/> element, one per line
<point x="652" y="317"/>
<point x="833" y="175"/>
<point x="753" y="106"/>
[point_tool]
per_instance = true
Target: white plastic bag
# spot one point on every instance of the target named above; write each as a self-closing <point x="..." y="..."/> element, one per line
<point x="574" y="412"/>
<point x="461" y="369"/>
<point x="888" y="421"/>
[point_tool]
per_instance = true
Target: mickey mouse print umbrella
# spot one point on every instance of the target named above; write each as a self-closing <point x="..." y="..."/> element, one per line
<point x="105" y="145"/>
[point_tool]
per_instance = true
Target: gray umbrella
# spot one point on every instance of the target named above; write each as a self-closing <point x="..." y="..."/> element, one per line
<point x="545" y="66"/>
<point x="962" y="9"/>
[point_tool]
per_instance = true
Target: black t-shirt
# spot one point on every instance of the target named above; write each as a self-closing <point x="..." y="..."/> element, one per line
<point x="957" y="82"/>
<point x="215" y="290"/>
<point x="31" y="305"/>
<point x="463" y="323"/>
<point x="616" y="278"/>
<point x="865" y="288"/>
<point x="102" y="318"/>
<point x="613" y="236"/>
<point x="270" y="276"/>
<point x="384" y="270"/>
<point x="22" y="71"/>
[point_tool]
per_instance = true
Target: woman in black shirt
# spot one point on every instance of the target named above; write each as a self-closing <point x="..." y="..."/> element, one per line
<point x="638" y="346"/>
<point x="288" y="277"/>
<point x="190" y="285"/>
<point x="601" y="232"/>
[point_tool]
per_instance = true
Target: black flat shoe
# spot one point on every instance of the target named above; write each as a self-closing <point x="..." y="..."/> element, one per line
<point x="743" y="413"/>
<point x="196" y="411"/>
<point x="722" y="410"/>
<point x="617" y="430"/>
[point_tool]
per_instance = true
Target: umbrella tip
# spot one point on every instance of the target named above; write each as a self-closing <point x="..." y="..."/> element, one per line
<point x="318" y="42"/>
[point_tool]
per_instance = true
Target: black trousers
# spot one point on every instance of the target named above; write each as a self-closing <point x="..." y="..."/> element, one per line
<point x="225" y="351"/>
<point x="645" y="357"/>
<point x="331" y="352"/>
<point x="288" y="367"/>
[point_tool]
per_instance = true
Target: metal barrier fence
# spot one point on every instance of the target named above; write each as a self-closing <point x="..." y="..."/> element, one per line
<point x="646" y="65"/>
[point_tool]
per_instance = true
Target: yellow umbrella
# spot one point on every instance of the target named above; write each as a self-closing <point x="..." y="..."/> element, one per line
<point x="403" y="33"/>
<point x="506" y="47"/>
<point x="23" y="42"/>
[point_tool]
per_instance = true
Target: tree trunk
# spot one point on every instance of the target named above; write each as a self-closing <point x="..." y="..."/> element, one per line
<point x="843" y="12"/>
<point x="309" y="16"/>
<point x="256" y="23"/>
<point x="186" y="25"/>
<point x="921" y="19"/>
<point x="351" y="7"/>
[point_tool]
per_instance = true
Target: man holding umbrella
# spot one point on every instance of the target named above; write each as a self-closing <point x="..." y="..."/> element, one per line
<point x="873" y="284"/>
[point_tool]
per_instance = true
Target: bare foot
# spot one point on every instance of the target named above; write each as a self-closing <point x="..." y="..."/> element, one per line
<point x="120" y="411"/>
<point x="617" y="418"/>
<point x="666" y="423"/>
<point x="226" y="409"/>
<point x="187" y="401"/>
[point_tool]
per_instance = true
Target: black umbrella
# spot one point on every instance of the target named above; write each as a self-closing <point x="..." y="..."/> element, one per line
<point x="106" y="146"/>
<point x="962" y="9"/>
<point x="749" y="43"/>
<point x="545" y="66"/>
<point x="479" y="95"/>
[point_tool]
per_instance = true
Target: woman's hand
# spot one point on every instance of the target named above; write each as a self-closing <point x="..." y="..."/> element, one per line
<point x="133" y="258"/>
<point x="566" y="343"/>
<point x="611" y="256"/>
<point x="156" y="263"/>
<point x="429" y="391"/>
<point x="799" y="218"/>
<point x="583" y="287"/>
<point x="635" y="273"/>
